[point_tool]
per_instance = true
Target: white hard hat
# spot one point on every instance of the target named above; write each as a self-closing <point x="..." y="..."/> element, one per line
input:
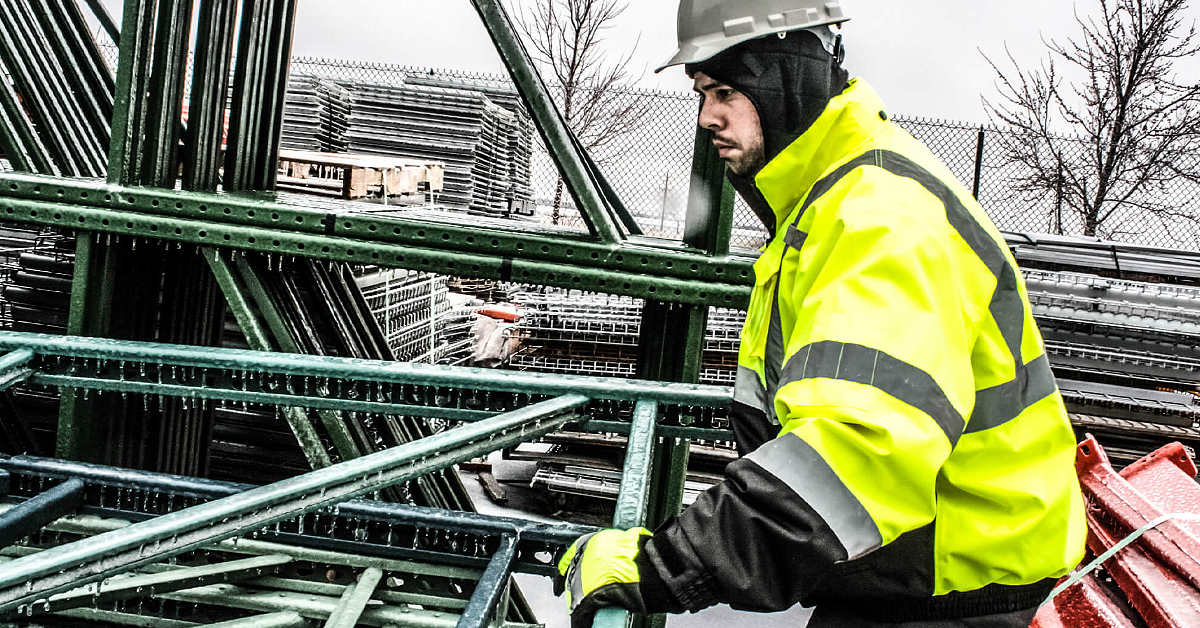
<point x="708" y="27"/>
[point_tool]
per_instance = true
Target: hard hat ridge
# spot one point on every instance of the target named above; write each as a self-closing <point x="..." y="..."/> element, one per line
<point x="708" y="27"/>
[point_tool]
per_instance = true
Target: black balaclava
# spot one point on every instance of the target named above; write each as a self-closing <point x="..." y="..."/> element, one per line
<point x="790" y="81"/>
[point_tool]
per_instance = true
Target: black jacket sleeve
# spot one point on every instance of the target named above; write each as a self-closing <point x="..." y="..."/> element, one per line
<point x="750" y="542"/>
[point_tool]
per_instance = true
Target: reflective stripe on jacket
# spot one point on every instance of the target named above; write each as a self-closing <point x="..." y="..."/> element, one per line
<point x="905" y="437"/>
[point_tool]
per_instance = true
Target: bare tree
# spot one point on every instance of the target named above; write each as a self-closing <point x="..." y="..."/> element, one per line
<point x="594" y="88"/>
<point x="1108" y="141"/>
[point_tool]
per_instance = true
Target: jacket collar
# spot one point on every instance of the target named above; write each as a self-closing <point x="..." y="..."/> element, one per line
<point x="848" y="123"/>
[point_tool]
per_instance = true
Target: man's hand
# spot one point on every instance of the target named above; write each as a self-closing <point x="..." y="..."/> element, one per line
<point x="601" y="569"/>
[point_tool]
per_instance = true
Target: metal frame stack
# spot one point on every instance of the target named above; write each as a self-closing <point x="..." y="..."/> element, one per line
<point x="1121" y="340"/>
<point x="417" y="317"/>
<point x="520" y="139"/>
<point x="297" y="546"/>
<point x="462" y="128"/>
<point x="571" y="332"/>
<point x="316" y="115"/>
<point x="160" y="260"/>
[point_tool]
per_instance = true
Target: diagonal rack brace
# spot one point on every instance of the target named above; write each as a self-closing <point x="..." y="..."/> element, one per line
<point x="38" y="576"/>
<point x="397" y="526"/>
<point x="491" y="587"/>
<point x="580" y="175"/>
<point x="13" y="367"/>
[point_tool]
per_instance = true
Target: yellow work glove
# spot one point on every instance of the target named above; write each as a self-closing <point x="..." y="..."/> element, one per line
<point x="601" y="569"/>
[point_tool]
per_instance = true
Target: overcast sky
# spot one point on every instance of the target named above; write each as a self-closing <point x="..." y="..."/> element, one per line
<point x="924" y="58"/>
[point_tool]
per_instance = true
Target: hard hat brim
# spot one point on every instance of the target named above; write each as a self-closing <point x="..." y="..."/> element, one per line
<point x="693" y="53"/>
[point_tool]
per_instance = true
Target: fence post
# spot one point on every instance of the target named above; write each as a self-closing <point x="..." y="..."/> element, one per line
<point x="978" y="164"/>
<point x="1058" y="195"/>
<point x="662" y="220"/>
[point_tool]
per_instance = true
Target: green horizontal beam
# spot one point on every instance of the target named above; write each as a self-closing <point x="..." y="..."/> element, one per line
<point x="147" y="585"/>
<point x="638" y="268"/>
<point x="261" y="398"/>
<point x="346" y="405"/>
<point x="282" y="619"/>
<point x="50" y="346"/>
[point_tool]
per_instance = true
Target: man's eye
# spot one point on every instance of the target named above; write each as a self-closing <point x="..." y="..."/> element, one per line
<point x="724" y="94"/>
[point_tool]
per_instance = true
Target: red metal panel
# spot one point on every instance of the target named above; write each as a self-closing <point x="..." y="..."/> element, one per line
<point x="1123" y="508"/>
<point x="1168" y="478"/>
<point x="1160" y="596"/>
<point x="1083" y="605"/>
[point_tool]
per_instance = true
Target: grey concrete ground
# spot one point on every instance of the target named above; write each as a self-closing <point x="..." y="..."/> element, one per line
<point x="551" y="610"/>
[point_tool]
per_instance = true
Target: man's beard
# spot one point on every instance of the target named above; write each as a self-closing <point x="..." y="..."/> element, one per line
<point x="750" y="162"/>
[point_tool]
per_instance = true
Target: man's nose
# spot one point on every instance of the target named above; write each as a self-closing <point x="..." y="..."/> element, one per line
<point x="709" y="117"/>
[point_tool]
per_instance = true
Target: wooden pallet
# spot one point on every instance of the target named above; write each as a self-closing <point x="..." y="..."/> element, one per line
<point x="352" y="175"/>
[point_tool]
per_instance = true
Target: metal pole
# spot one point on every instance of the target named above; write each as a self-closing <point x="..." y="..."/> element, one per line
<point x="354" y="600"/>
<point x="635" y="480"/>
<point x="1058" y="201"/>
<point x="978" y="164"/>
<point x="13" y="369"/>
<point x="30" y="515"/>
<point x="105" y="20"/>
<point x="490" y="587"/>
<point x="709" y="219"/>
<point x="284" y="619"/>
<point x="662" y="217"/>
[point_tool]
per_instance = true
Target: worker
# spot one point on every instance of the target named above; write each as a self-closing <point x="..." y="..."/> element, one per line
<point x="906" y="456"/>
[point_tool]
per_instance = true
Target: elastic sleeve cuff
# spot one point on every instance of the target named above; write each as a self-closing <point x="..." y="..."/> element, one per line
<point x="655" y="594"/>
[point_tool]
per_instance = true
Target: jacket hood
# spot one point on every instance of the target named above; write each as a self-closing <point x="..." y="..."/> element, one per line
<point x="790" y="80"/>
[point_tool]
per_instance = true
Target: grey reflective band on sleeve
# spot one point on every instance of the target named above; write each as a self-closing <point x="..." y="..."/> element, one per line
<point x="799" y="466"/>
<point x="749" y="390"/>
<point x="998" y="405"/>
<point x="574" y="577"/>
<point x="872" y="367"/>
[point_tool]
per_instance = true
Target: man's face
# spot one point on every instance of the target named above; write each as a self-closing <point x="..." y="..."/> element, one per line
<point x="732" y="118"/>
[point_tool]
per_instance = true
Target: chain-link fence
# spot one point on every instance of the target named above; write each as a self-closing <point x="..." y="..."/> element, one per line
<point x="650" y="165"/>
<point x="1045" y="192"/>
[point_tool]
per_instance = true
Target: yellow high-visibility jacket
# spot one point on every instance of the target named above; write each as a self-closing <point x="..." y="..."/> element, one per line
<point x="907" y="449"/>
